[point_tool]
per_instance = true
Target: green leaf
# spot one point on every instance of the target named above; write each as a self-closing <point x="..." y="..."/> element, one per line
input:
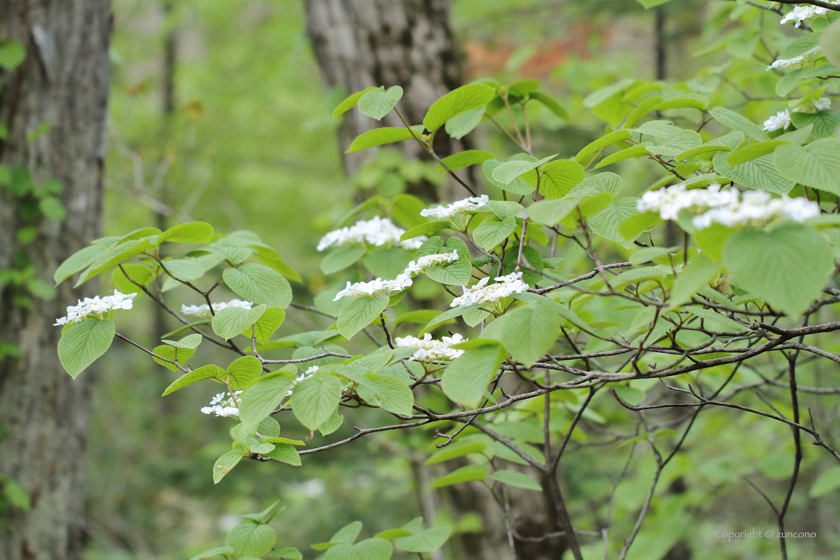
<point x="493" y="231"/>
<point x="445" y="317"/>
<point x="424" y="541"/>
<point x="550" y="212"/>
<point x="347" y="534"/>
<point x="685" y="101"/>
<point x="425" y="229"/>
<point x="461" y="125"/>
<point x="114" y="256"/>
<point x="621" y="155"/>
<point x="506" y="172"/>
<point x="231" y="321"/>
<point x="391" y="394"/>
<point x="270" y="257"/>
<point x="550" y="104"/>
<point x="315" y="399"/>
<point x="516" y="186"/>
<point x="456" y="273"/>
<point x="559" y="177"/>
<point x="464" y="474"/>
<point x="262" y="398"/>
<point x="360" y="313"/>
<point x="332" y="424"/>
<point x="285" y="454"/>
<point x="776" y="266"/>
<point x="456" y="102"/>
<point x="391" y="534"/>
<point x="760" y="174"/>
<point x="204" y="372"/>
<point x="259" y="284"/>
<point x="192" y="232"/>
<point x="12" y="54"/>
<point x="370" y="549"/>
<point x="243" y="371"/>
<point x="16" y="495"/>
<point x="753" y="151"/>
<point x="52" y="209"/>
<point x="464" y="159"/>
<point x="465" y="380"/>
<point x="380" y="136"/>
<point x="827" y="482"/>
<point x="454" y="451"/>
<point x="607" y="222"/>
<point x="218" y="551"/>
<point x="816" y="165"/>
<point x="530" y="331"/>
<point x="342" y="257"/>
<point x="138" y="273"/>
<point x="378" y="102"/>
<point x="740" y="123"/>
<point x="676" y="144"/>
<point x="173" y="354"/>
<point x="190" y="341"/>
<point x="226" y="462"/>
<point x="648" y="4"/>
<point x="266" y="325"/>
<point x="722" y="321"/>
<point x="824" y="124"/>
<point x="78" y="261"/>
<point x="350" y="102"/>
<point x="633" y="226"/>
<point x="601" y="143"/>
<point x="696" y="274"/>
<point x="641" y="111"/>
<point x="515" y="478"/>
<point x="251" y="539"/>
<point x="387" y="263"/>
<point x="289" y="552"/>
<point x="84" y="343"/>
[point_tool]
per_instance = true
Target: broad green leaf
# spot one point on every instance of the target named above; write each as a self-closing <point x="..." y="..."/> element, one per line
<point x="370" y="549"/>
<point x="465" y="380"/>
<point x="740" y="123"/>
<point x="523" y="87"/>
<point x="676" y="144"/>
<point x="760" y="174"/>
<point x="752" y="151"/>
<point x="266" y="325"/>
<point x="350" y="102"/>
<point x="550" y="212"/>
<point x="685" y="101"/>
<point x="775" y="266"/>
<point x="515" y="478"/>
<point x="347" y="534"/>
<point x="648" y="4"/>
<point x="493" y="231"/>
<point x="816" y="165"/>
<point x="504" y="209"/>
<point x="192" y="232"/>
<point x="378" y="102"/>
<point x="621" y="155"/>
<point x="550" y="104"/>
<point x="244" y="434"/>
<point x="173" y="354"/>
<point x="607" y="222"/>
<point x="460" y="125"/>
<point x="285" y="453"/>
<point x="332" y="424"/>
<point x="391" y="394"/>
<point x="464" y="474"/>
<point x="226" y="462"/>
<point x="710" y="240"/>
<point x="464" y="159"/>
<point x="12" y="54"/>
<point x="824" y="124"/>
<point x="445" y="317"/>
<point x="641" y="111"/>
<point x="424" y="541"/>
<point x="272" y="258"/>
<point x="82" y="344"/>
<point x="243" y="371"/>
<point x="78" y="261"/>
<point x="263" y="397"/>
<point x="801" y="45"/>
<point x="696" y="274"/>
<point x="455" y="102"/>
<point x="204" y="372"/>
<point x="380" y="136"/>
<point x="258" y="283"/>
<point x="315" y="399"/>
<point x="601" y="143"/>
<point x="387" y="263"/>
<point x="391" y="534"/>
<point x="190" y="341"/>
<point x="456" y="273"/>
<point x="360" y="313"/>
<point x="218" y="551"/>
<point x="137" y="273"/>
<point x="454" y="451"/>
<point x="231" y="321"/>
<point x="114" y="256"/>
<point x="827" y="482"/>
<point x="516" y="186"/>
<point x="633" y="226"/>
<point x="251" y="539"/>
<point x="559" y="177"/>
<point x="425" y="229"/>
<point x="341" y="257"/>
<point x="506" y="172"/>
<point x="289" y="553"/>
<point x="530" y="331"/>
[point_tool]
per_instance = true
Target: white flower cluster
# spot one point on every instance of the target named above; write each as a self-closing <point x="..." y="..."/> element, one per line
<point x="757" y="208"/>
<point x="204" y="311"/>
<point x="223" y="404"/>
<point x="728" y="207"/>
<point x="670" y="201"/>
<point x="782" y="119"/>
<point x="402" y="282"/>
<point x="484" y="293"/>
<point x="377" y="231"/>
<point x="797" y="61"/>
<point x="802" y="13"/>
<point x="445" y="212"/>
<point x="96" y="306"/>
<point x="429" y="349"/>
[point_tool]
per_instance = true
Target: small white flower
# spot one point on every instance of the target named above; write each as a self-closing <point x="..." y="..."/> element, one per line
<point x="757" y="208"/>
<point x="802" y="13"/>
<point x="815" y="106"/>
<point x="670" y="201"/>
<point x="797" y="61"/>
<point x="377" y="231"/>
<point x="96" y="307"/>
<point x="379" y="287"/>
<point x="429" y="349"/>
<point x="204" y="311"/>
<point x="421" y="264"/>
<point x="484" y="293"/>
<point x="223" y="404"/>
<point x="445" y="212"/>
<point x="779" y="121"/>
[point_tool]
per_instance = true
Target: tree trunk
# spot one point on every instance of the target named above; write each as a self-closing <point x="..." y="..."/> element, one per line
<point x="63" y="82"/>
<point x="406" y="43"/>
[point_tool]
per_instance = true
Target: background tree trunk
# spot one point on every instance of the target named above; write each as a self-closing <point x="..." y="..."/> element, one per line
<point x="408" y="43"/>
<point x="44" y="413"/>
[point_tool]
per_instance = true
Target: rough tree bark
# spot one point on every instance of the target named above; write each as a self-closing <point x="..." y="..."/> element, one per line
<point x="366" y="43"/>
<point x="44" y="413"/>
